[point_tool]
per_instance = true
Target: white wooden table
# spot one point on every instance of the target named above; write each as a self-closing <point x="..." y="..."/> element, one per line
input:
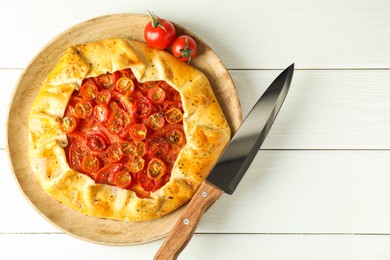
<point x="319" y="187"/>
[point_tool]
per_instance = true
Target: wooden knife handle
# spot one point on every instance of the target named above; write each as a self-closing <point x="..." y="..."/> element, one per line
<point x="185" y="227"/>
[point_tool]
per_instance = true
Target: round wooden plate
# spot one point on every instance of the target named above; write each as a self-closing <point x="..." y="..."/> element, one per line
<point x="101" y="231"/>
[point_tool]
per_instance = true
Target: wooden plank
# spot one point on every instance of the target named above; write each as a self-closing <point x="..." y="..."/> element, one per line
<point x="204" y="246"/>
<point x="342" y="109"/>
<point x="269" y="34"/>
<point x="283" y="192"/>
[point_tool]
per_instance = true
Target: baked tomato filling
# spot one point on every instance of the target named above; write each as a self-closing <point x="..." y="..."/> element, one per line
<point x="124" y="133"/>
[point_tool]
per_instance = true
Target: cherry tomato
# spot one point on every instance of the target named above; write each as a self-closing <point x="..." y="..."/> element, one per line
<point x="143" y="107"/>
<point x="122" y="179"/>
<point x="141" y="150"/>
<point x="89" y="90"/>
<point x="184" y="48"/>
<point x="156" y="168"/>
<point x="101" y="112"/>
<point x="173" y="115"/>
<point x="68" y="124"/>
<point x="103" y="97"/>
<point x="176" y="137"/>
<point x="97" y="142"/>
<point x="135" y="163"/>
<point x="106" y="81"/>
<point x="106" y="174"/>
<point x="77" y="152"/>
<point x="159" y="33"/>
<point x="129" y="148"/>
<point x="156" y="121"/>
<point x="119" y="120"/>
<point x="124" y="85"/>
<point x="170" y="104"/>
<point x="114" y="152"/>
<point x="83" y="109"/>
<point x="156" y="146"/>
<point x="90" y="163"/>
<point x="138" y="132"/>
<point x="156" y="95"/>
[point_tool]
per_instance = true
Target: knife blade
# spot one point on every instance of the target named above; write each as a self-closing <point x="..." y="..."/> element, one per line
<point x="231" y="166"/>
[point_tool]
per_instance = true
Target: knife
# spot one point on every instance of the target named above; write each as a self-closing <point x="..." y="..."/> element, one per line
<point x="231" y="166"/>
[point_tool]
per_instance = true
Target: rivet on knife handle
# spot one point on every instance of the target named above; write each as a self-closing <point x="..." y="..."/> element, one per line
<point x="185" y="227"/>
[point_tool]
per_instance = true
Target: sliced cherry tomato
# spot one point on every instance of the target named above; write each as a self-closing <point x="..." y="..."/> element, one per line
<point x="157" y="146"/>
<point x="114" y="152"/>
<point x="68" y="124"/>
<point x="159" y="33"/>
<point x="138" y="132"/>
<point x="129" y="148"/>
<point x="173" y="115"/>
<point x="124" y="85"/>
<point x="156" y="95"/>
<point x="156" y="121"/>
<point x="83" y="109"/>
<point x="141" y="150"/>
<point x="156" y="168"/>
<point x="143" y="107"/>
<point x="176" y="137"/>
<point x="122" y="179"/>
<point x="103" y="97"/>
<point x="135" y="163"/>
<point x="97" y="142"/>
<point x="101" y="112"/>
<point x="106" y="81"/>
<point x="184" y="48"/>
<point x="89" y="90"/>
<point x="119" y="119"/>
<point x="90" y="163"/>
<point x="77" y="152"/>
<point x="173" y="104"/>
<point x="106" y="174"/>
<point x="146" y="183"/>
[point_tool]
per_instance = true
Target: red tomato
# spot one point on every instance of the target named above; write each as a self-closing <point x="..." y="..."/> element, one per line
<point x="77" y="151"/>
<point x="89" y="90"/>
<point x="68" y="124"/>
<point x="156" y="168"/>
<point x="97" y="142"/>
<point x="156" y="95"/>
<point x="175" y="137"/>
<point x="138" y="132"/>
<point x="156" y="121"/>
<point x="173" y="115"/>
<point x="129" y="148"/>
<point x="143" y="107"/>
<point x="106" y="81"/>
<point x="101" y="112"/>
<point x="184" y="48"/>
<point x="83" y="109"/>
<point x="159" y="33"/>
<point x="103" y="97"/>
<point x="135" y="163"/>
<point x="141" y="150"/>
<point x="114" y="152"/>
<point x="122" y="179"/>
<point x="106" y="174"/>
<point x="90" y="163"/>
<point x="156" y="146"/>
<point x="124" y="85"/>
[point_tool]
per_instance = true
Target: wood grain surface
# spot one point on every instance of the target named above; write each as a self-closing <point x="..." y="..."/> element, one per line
<point x="101" y="231"/>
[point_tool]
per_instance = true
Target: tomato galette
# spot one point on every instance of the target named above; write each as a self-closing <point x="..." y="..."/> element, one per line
<point x="123" y="131"/>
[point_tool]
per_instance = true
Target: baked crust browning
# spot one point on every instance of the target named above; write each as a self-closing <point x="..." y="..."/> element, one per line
<point x="207" y="131"/>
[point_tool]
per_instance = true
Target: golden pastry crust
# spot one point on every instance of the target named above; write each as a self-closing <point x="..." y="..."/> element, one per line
<point x="205" y="126"/>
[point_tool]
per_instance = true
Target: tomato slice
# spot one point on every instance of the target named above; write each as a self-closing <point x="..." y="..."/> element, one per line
<point x="156" y="121"/>
<point x="156" y="95"/>
<point x="157" y="146"/>
<point x="106" y="174"/>
<point x="114" y="152"/>
<point x="68" y="124"/>
<point x="141" y="150"/>
<point x="103" y="97"/>
<point x="173" y="104"/>
<point x="122" y="179"/>
<point x="119" y="120"/>
<point x="138" y="132"/>
<point x="77" y="152"/>
<point x="83" y="109"/>
<point x="90" y="163"/>
<point x="89" y="90"/>
<point x="101" y="112"/>
<point x="106" y="81"/>
<point x="173" y="115"/>
<point x="156" y="168"/>
<point x="176" y="137"/>
<point x="143" y="107"/>
<point x="97" y="142"/>
<point x="125" y="85"/>
<point x="129" y="148"/>
<point x="135" y="163"/>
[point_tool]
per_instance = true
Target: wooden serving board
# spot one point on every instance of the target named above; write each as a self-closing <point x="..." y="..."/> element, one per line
<point x="102" y="231"/>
